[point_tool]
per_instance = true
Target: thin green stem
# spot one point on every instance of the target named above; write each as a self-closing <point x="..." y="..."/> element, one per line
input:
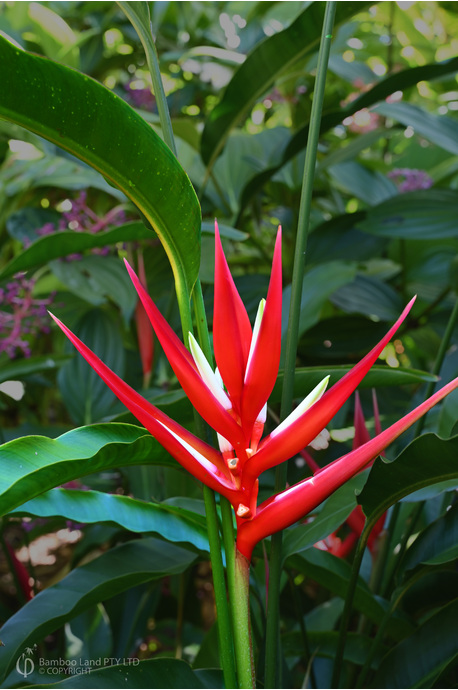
<point x="273" y="613"/>
<point x="350" y="594"/>
<point x="445" y="342"/>
<point x="398" y="595"/>
<point x="307" y="657"/>
<point x="410" y="527"/>
<point x="226" y="638"/>
<point x="226" y="649"/>
<point x="139" y="16"/>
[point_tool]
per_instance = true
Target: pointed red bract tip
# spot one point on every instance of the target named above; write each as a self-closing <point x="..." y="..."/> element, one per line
<point x="276" y="449"/>
<point x="263" y="368"/>
<point x="289" y="506"/>
<point x="183" y="365"/>
<point x="361" y="433"/>
<point x="231" y="327"/>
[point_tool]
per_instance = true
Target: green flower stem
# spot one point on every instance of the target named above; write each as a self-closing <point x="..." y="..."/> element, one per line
<point x="226" y="649"/>
<point x="226" y="638"/>
<point x="350" y="594"/>
<point x="396" y="600"/>
<point x="445" y="342"/>
<point x="272" y="663"/>
<point x="140" y="18"/>
<point x="240" y="604"/>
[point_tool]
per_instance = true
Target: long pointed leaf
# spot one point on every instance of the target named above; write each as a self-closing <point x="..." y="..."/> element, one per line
<point x="93" y="507"/>
<point x="115" y="571"/>
<point x="33" y="464"/>
<point x="263" y="65"/>
<point x="83" y="117"/>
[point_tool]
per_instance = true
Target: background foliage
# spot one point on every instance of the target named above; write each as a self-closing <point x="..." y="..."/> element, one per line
<point x="239" y="80"/>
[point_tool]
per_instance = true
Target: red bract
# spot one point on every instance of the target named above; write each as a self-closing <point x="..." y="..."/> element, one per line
<point x="233" y="401"/>
<point x="355" y="521"/>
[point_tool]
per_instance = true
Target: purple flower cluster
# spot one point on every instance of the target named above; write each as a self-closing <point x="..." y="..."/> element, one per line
<point x="81" y="218"/>
<point x="21" y="315"/>
<point x="410" y="180"/>
<point x="142" y="99"/>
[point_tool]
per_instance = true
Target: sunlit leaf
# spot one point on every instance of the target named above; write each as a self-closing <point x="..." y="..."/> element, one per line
<point x="33" y="464"/>
<point x="427" y="460"/>
<point x="83" y="117"/>
<point x="91" y="507"/>
<point x="61" y="244"/>
<point x="124" y="566"/>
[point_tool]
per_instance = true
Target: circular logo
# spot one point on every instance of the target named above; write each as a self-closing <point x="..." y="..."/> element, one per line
<point x="24" y="665"/>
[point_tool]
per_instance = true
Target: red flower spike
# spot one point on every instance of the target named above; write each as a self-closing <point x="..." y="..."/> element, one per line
<point x="291" y="505"/>
<point x="186" y="371"/>
<point x="261" y="373"/>
<point x="234" y="471"/>
<point x="231" y="328"/>
<point x="378" y="426"/>
<point x="208" y="467"/>
<point x="144" y="329"/>
<point x="361" y="433"/>
<point x="275" y="449"/>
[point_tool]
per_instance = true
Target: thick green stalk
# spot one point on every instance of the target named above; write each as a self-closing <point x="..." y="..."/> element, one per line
<point x="226" y="647"/>
<point x="272" y="636"/>
<point x="241" y="623"/>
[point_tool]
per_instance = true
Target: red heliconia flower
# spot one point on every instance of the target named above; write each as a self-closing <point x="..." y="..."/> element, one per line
<point x="233" y="401"/>
<point x="144" y="330"/>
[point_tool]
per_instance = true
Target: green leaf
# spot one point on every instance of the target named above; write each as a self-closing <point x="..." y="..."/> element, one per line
<point x="83" y="117"/>
<point x="33" y="464"/>
<point x="92" y="507"/>
<point x="53" y="171"/>
<point x="438" y="129"/>
<point x="97" y="278"/>
<point x="306" y="378"/>
<point x="334" y="573"/>
<point x="427" y="460"/>
<point x="19" y="368"/>
<point x="354" y="178"/>
<point x="417" y="661"/>
<point x="58" y="40"/>
<point x="437" y="543"/>
<point x="120" y="568"/>
<point x="89" y="635"/>
<point x="61" y="244"/>
<point x="369" y="296"/>
<point x="225" y="231"/>
<point x="331" y="516"/>
<point x="324" y="644"/>
<point x="86" y="396"/>
<point x="381" y="90"/>
<point x="318" y="285"/>
<point x="426" y="215"/>
<point x="264" y="64"/>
